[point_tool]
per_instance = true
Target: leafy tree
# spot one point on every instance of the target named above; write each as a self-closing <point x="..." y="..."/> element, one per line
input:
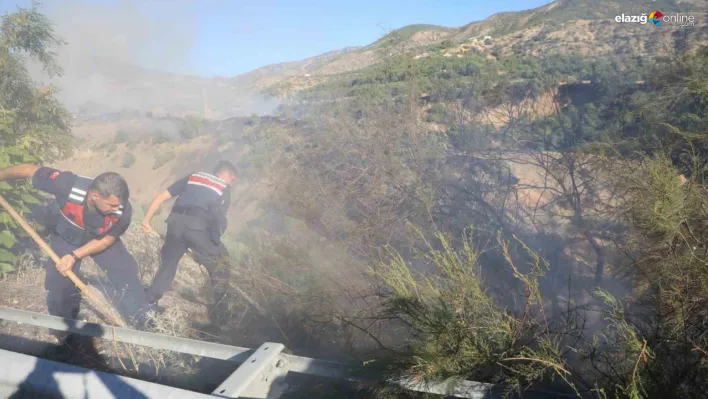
<point x="34" y="126"/>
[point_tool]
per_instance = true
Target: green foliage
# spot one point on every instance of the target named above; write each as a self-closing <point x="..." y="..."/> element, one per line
<point x="458" y="329"/>
<point x="33" y="125"/>
<point x="662" y="213"/>
<point x="548" y="17"/>
<point x="448" y="78"/>
<point x="128" y="160"/>
<point x="669" y="111"/>
<point x="620" y="340"/>
<point x="191" y="127"/>
<point x="159" y="136"/>
<point x="437" y="113"/>
<point x="660" y="351"/>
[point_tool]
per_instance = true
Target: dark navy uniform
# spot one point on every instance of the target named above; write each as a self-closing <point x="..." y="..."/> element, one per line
<point x="72" y="224"/>
<point x="197" y="221"/>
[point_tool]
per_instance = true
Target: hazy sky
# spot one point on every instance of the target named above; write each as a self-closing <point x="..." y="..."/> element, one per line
<point x="229" y="37"/>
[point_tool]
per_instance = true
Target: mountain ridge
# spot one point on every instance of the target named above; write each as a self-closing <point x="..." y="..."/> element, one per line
<point x="553" y="27"/>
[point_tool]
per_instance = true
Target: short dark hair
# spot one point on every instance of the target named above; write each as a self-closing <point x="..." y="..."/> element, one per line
<point x="111" y="183"/>
<point x="225" y="166"/>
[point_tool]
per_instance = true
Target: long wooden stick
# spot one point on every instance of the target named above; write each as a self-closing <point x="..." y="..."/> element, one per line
<point x="96" y="301"/>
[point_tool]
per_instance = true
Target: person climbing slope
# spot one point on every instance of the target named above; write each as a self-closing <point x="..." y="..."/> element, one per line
<point x="197" y="222"/>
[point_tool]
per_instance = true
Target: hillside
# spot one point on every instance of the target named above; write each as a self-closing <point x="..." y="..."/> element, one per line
<point x="562" y="11"/>
<point x="562" y="26"/>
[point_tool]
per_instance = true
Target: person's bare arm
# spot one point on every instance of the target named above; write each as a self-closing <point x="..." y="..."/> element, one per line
<point x="95" y="246"/>
<point x="92" y="247"/>
<point x="22" y="171"/>
<point x="154" y="206"/>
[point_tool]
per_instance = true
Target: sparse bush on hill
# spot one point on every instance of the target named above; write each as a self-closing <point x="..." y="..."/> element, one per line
<point x="128" y="160"/>
<point x="122" y="136"/>
<point x="162" y="157"/>
<point x="160" y="137"/>
<point x="437" y="113"/>
<point x="191" y="127"/>
<point x="188" y="132"/>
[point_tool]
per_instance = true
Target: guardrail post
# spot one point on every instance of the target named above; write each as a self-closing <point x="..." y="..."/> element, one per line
<point x="260" y="376"/>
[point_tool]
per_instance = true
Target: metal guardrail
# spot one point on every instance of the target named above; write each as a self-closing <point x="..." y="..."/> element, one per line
<point x="257" y="370"/>
<point x="27" y="376"/>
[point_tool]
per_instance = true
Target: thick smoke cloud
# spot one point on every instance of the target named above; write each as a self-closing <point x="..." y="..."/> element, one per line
<point x="124" y="32"/>
<point x="117" y="54"/>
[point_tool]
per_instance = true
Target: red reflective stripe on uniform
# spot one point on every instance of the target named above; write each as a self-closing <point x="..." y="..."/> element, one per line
<point x="75" y="210"/>
<point x="108" y="222"/>
<point x="206" y="182"/>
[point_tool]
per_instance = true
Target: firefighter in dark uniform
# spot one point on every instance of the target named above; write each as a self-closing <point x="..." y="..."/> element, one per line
<point x="197" y="222"/>
<point x="90" y="216"/>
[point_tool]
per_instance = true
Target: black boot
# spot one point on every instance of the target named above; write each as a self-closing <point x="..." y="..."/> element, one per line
<point x="152" y="301"/>
<point x="219" y="314"/>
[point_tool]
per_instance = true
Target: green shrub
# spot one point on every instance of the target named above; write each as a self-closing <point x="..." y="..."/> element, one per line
<point x="457" y="328"/>
<point x="191" y="127"/>
<point x="160" y="137"/>
<point x="437" y="113"/>
<point x="128" y="160"/>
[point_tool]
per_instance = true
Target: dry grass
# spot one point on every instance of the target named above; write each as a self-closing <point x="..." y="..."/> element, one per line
<point x="24" y="289"/>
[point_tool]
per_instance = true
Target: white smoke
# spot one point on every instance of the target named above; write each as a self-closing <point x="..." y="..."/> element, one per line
<point x="117" y="54"/>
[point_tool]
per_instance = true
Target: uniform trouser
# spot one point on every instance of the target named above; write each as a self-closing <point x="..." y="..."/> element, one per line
<point x="123" y="288"/>
<point x="189" y="232"/>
